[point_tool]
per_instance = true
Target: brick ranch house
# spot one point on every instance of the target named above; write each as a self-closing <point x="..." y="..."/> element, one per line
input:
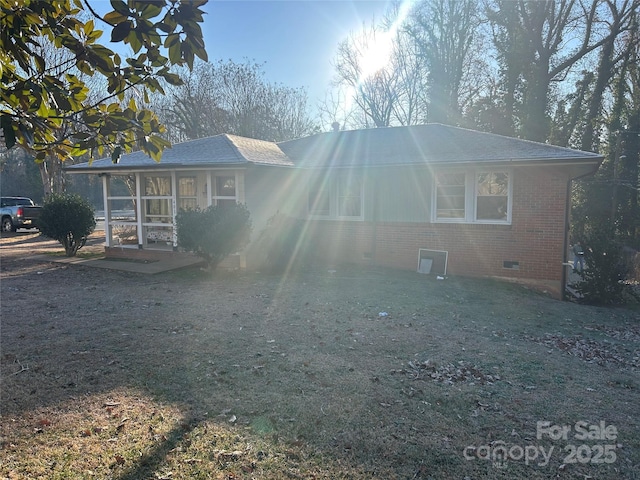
<point x="435" y="198"/>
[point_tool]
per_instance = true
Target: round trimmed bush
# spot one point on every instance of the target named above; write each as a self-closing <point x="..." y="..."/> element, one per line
<point x="68" y="219"/>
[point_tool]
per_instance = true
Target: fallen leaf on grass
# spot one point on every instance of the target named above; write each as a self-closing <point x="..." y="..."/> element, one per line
<point x="223" y="455"/>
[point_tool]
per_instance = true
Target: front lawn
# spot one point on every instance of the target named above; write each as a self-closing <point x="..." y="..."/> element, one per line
<point x="357" y="373"/>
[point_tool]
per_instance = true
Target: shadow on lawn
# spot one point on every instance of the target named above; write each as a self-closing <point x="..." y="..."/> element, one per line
<point x="151" y="461"/>
<point x="303" y="360"/>
<point x="312" y="356"/>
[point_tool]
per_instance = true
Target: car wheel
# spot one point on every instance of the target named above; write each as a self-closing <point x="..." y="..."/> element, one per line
<point x="7" y="225"/>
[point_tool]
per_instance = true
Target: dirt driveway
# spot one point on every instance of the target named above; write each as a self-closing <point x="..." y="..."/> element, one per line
<point x="354" y="373"/>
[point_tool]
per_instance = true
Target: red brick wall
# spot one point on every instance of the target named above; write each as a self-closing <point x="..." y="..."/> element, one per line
<point x="535" y="237"/>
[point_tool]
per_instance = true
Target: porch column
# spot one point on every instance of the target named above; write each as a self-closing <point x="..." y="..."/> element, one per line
<point x="139" y="210"/>
<point x="209" y="189"/>
<point x="239" y="178"/>
<point x="240" y="198"/>
<point x="106" y="193"/>
<point x="174" y="209"/>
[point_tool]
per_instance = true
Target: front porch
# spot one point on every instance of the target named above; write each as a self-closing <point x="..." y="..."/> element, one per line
<point x="140" y="207"/>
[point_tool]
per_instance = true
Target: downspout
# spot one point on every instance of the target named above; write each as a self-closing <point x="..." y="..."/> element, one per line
<point x="374" y="234"/>
<point x="106" y="193"/>
<point x="565" y="243"/>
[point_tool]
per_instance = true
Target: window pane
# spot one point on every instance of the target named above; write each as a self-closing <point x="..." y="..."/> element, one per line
<point x="158" y="210"/>
<point x="319" y="198"/>
<point x="187" y="186"/>
<point x="492" y="196"/>
<point x="157" y="186"/>
<point x="188" y="204"/>
<point x="187" y="198"/>
<point x="350" y="196"/>
<point x="225" y="186"/>
<point x="450" y="195"/>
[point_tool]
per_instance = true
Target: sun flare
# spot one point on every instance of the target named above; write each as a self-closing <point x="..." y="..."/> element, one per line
<point x="376" y="55"/>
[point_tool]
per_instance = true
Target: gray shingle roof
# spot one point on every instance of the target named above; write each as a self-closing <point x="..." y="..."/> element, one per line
<point x="260" y="152"/>
<point x="414" y="145"/>
<point x="219" y="150"/>
<point x="420" y="144"/>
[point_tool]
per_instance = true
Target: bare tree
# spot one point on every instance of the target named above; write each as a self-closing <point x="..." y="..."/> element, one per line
<point x="623" y="17"/>
<point x="443" y="31"/>
<point x="229" y="97"/>
<point x="373" y="91"/>
<point x="530" y="37"/>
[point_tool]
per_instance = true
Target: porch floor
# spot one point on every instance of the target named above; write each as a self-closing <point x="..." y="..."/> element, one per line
<point x="152" y="267"/>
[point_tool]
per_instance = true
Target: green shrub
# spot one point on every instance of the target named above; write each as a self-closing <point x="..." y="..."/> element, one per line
<point x="602" y="281"/>
<point x="214" y="233"/>
<point x="68" y="219"/>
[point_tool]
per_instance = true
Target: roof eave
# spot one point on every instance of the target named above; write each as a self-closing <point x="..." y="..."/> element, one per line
<point x="161" y="167"/>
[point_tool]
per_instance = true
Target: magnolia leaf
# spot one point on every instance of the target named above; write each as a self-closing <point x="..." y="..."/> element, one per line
<point x="150" y="10"/>
<point x="120" y="7"/>
<point x="40" y="63"/>
<point x="134" y="41"/>
<point x="114" y="18"/>
<point x="7" y="129"/>
<point x="89" y="27"/>
<point x="121" y="31"/>
<point x="27" y="134"/>
<point x="85" y="68"/>
<point x="117" y="153"/>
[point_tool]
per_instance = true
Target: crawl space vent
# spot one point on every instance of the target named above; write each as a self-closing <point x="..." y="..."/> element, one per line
<point x="432" y="261"/>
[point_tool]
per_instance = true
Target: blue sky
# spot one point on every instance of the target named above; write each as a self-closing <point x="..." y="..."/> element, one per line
<point x="298" y="40"/>
<point x="295" y="40"/>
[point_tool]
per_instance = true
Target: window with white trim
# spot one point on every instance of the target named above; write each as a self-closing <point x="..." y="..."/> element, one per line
<point x="224" y="193"/>
<point x="492" y="196"/>
<point x="157" y="199"/>
<point x="187" y="193"/>
<point x="319" y="198"/>
<point x="473" y="196"/>
<point x="349" y="193"/>
<point x="450" y="195"/>
<point x="339" y="195"/>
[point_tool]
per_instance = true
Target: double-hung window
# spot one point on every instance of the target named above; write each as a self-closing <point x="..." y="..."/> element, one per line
<point x="336" y="196"/>
<point x="450" y="195"/>
<point x="224" y="190"/>
<point x="349" y="194"/>
<point x="473" y="196"/>
<point x="492" y="196"/>
<point x="187" y="193"/>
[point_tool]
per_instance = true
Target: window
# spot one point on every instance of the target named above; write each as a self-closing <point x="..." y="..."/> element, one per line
<point x="473" y="196"/>
<point x="187" y="193"/>
<point x="492" y="196"/>
<point x="336" y="196"/>
<point x="450" y="195"/>
<point x="320" y="198"/>
<point x="225" y="190"/>
<point x="350" y="196"/>
<point x="157" y="199"/>
<point x="157" y="186"/>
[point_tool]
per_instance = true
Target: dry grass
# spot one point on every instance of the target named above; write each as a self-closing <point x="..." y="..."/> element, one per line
<point x="185" y="375"/>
